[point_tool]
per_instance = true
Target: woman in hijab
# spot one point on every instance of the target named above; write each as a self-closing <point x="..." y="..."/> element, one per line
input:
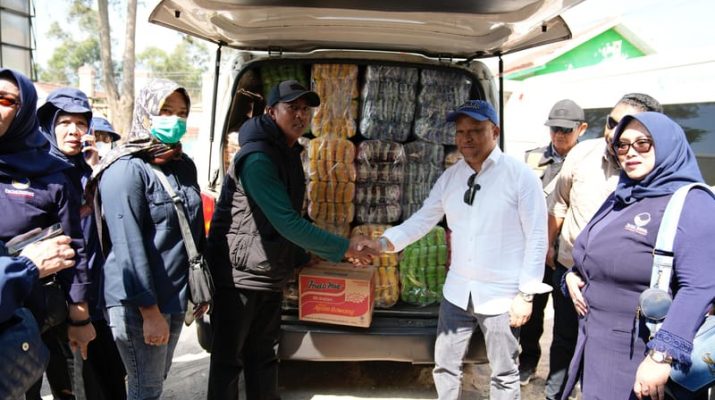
<point x="34" y="194"/>
<point x="146" y="271"/>
<point x="65" y="120"/>
<point x="614" y="357"/>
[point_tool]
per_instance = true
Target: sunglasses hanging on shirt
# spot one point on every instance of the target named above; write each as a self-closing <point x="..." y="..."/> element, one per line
<point x="471" y="190"/>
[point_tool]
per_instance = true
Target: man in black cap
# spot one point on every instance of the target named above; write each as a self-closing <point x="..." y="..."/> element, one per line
<point x="257" y="238"/>
<point x="566" y="123"/>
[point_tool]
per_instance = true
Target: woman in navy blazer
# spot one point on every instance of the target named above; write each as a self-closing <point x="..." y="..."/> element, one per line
<point x="615" y="357"/>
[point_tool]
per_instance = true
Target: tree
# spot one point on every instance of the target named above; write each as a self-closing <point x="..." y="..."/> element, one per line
<point x="121" y="102"/>
<point x="184" y="64"/>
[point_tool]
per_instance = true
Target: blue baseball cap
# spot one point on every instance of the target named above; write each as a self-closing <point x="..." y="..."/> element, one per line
<point x="101" y="124"/>
<point x="480" y="110"/>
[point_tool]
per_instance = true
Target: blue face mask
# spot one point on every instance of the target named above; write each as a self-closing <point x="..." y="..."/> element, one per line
<point x="168" y="129"/>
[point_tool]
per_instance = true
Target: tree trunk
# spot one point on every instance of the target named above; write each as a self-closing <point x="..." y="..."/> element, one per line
<point x="121" y="101"/>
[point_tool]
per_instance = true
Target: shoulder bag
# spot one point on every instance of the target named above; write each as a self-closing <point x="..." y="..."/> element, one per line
<point x="655" y="301"/>
<point x="201" y="285"/>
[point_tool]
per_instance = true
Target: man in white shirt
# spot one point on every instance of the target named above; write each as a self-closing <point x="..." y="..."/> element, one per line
<point x="496" y="211"/>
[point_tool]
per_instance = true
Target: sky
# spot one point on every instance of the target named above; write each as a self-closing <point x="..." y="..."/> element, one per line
<point x="665" y="25"/>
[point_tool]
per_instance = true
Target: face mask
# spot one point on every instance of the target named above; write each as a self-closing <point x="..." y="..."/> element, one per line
<point x="103" y="148"/>
<point x="168" y="129"/>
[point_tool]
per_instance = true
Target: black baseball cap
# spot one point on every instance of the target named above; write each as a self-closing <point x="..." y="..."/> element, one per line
<point x="566" y="114"/>
<point x="287" y="91"/>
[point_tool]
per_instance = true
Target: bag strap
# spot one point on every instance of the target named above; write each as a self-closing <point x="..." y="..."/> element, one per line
<point x="663" y="252"/>
<point x="178" y="206"/>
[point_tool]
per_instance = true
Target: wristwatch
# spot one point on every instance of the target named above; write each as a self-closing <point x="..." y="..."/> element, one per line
<point x="660" y="357"/>
<point x="527" y="297"/>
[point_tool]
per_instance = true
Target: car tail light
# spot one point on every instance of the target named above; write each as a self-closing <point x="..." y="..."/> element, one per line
<point x="209" y="204"/>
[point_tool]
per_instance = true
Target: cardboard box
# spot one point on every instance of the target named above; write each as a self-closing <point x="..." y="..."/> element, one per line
<point x="340" y="294"/>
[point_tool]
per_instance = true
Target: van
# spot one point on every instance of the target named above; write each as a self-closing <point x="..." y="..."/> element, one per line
<point x="683" y="84"/>
<point x="422" y="39"/>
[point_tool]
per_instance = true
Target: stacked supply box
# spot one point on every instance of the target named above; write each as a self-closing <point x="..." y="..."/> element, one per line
<point x="387" y="286"/>
<point x="380" y="172"/>
<point x="423" y="269"/>
<point x="388" y="102"/>
<point x="423" y="166"/>
<point x="441" y="92"/>
<point x="331" y="188"/>
<point x="337" y="86"/>
<point x="340" y="294"/>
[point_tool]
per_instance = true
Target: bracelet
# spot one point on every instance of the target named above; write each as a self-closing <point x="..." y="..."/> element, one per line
<point x="83" y="322"/>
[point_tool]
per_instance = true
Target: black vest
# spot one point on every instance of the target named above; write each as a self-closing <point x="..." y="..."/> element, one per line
<point x="244" y="249"/>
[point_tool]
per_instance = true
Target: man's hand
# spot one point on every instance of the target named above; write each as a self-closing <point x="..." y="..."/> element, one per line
<point x="359" y="253"/>
<point x="574" y="283"/>
<point x="155" y="328"/>
<point x="50" y="255"/>
<point x="551" y="258"/>
<point x="650" y="379"/>
<point x="520" y="311"/>
<point x="80" y="336"/>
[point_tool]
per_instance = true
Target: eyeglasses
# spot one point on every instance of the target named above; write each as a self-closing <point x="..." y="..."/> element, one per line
<point x="640" y="145"/>
<point x="557" y="129"/>
<point x="611" y="123"/>
<point x="7" y="101"/>
<point x="471" y="190"/>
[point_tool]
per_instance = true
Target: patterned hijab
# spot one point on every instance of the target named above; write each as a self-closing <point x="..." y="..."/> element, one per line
<point x="675" y="163"/>
<point x="24" y="152"/>
<point x="140" y="141"/>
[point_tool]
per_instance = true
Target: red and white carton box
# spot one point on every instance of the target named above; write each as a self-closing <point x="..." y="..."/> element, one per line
<point x="337" y="293"/>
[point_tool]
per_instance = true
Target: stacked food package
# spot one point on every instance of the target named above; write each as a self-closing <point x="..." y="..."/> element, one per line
<point x="441" y="92"/>
<point x="273" y="74"/>
<point x="387" y="286"/>
<point x="380" y="172"/>
<point x="423" y="166"/>
<point x="423" y="269"/>
<point x="388" y="102"/>
<point x="331" y="188"/>
<point x="337" y="86"/>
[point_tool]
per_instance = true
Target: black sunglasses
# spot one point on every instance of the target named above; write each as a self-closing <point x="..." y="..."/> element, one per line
<point x="557" y="129"/>
<point x="641" y="146"/>
<point x="471" y="190"/>
<point x="611" y="123"/>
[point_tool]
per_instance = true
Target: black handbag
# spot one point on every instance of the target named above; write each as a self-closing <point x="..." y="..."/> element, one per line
<point x="24" y="357"/>
<point x="201" y="285"/>
<point x="56" y="309"/>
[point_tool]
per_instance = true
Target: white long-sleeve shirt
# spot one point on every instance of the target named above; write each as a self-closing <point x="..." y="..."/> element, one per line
<point x="498" y="243"/>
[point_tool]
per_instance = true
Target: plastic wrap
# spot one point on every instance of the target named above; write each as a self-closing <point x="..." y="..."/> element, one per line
<point x="337" y="86"/>
<point x="273" y="74"/>
<point x="441" y="91"/>
<point x="451" y="158"/>
<point x="423" y="167"/>
<point x="387" y="287"/>
<point x="379" y="175"/>
<point x="388" y="102"/>
<point x="423" y="269"/>
<point x="331" y="185"/>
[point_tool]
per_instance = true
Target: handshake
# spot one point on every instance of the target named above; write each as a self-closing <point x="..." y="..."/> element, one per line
<point x="362" y="249"/>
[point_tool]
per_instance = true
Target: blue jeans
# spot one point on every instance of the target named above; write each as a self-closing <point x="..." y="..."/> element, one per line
<point x="147" y="366"/>
<point x="454" y="331"/>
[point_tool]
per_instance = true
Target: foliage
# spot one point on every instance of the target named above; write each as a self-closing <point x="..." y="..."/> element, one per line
<point x="184" y="64"/>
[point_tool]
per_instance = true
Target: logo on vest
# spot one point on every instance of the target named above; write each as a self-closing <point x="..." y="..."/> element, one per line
<point x="639" y="223"/>
<point x="19" y="189"/>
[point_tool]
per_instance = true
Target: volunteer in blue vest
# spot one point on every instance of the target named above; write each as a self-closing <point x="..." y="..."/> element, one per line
<point x="496" y="210"/>
<point x="257" y="237"/>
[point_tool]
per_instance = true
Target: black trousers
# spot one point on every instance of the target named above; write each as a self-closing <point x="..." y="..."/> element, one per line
<point x="60" y="368"/>
<point x="531" y="331"/>
<point x="565" y="333"/>
<point x="247" y="326"/>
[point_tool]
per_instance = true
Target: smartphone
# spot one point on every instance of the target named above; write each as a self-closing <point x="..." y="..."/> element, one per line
<point x="16" y="244"/>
